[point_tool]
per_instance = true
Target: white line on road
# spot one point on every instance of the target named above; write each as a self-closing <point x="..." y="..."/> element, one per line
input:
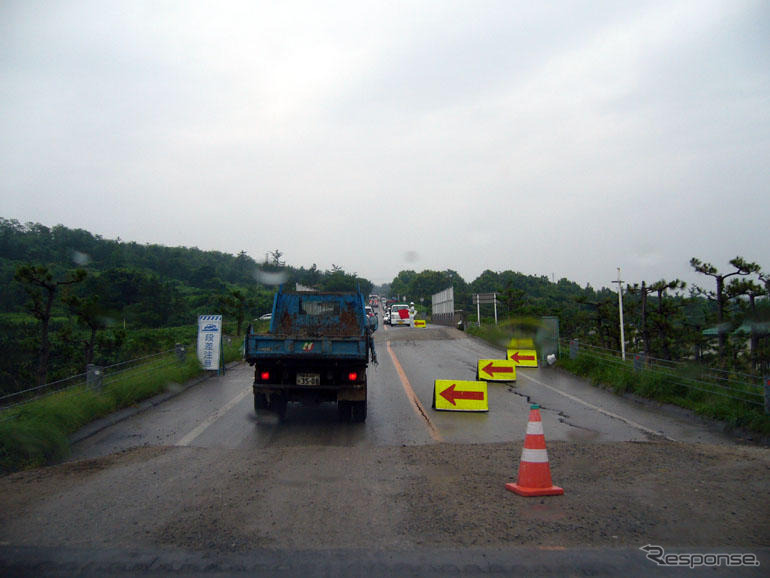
<point x="188" y="439"/>
<point x="600" y="410"/>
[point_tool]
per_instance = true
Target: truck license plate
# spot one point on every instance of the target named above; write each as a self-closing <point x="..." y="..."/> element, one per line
<point x="308" y="379"/>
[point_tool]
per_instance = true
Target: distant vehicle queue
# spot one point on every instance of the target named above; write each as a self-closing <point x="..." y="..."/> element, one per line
<point x="395" y="314"/>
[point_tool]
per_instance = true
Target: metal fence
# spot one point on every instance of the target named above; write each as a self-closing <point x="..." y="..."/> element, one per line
<point x="753" y="390"/>
<point x="97" y="377"/>
<point x="443" y="307"/>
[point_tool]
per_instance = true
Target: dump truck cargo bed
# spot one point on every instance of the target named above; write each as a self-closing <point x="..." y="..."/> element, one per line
<point x="317" y="350"/>
<point x="264" y="346"/>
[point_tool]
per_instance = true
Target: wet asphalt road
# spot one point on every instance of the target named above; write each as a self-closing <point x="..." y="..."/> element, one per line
<point x="219" y="412"/>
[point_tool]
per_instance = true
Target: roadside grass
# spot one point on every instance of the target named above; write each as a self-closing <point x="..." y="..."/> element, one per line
<point x="37" y="433"/>
<point x="493" y="334"/>
<point x="678" y="387"/>
<point x="675" y="388"/>
<point x="501" y="334"/>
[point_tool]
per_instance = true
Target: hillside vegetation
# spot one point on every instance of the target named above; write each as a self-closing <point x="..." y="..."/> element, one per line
<point x="71" y="298"/>
<point x="114" y="300"/>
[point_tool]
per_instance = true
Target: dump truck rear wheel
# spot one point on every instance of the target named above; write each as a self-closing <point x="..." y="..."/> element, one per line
<point x="344" y="410"/>
<point x="278" y="404"/>
<point x="358" y="411"/>
<point x="260" y="402"/>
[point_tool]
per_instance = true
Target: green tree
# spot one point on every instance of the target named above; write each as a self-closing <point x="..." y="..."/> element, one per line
<point x="514" y="301"/>
<point x="738" y="288"/>
<point x="602" y="309"/>
<point x="720" y="296"/>
<point x="662" y="319"/>
<point x="309" y="277"/>
<point x="236" y="303"/>
<point x="244" y="266"/>
<point x="487" y="282"/>
<point x="275" y="258"/>
<point x="90" y="313"/>
<point x="425" y="284"/>
<point x="402" y="284"/>
<point x="666" y="316"/>
<point x="40" y="285"/>
<point x="338" y="280"/>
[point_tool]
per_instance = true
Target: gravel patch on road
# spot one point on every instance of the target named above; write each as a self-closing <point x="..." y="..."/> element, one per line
<point x="440" y="495"/>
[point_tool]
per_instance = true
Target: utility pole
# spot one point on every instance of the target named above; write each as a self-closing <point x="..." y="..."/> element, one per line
<point x="620" y="308"/>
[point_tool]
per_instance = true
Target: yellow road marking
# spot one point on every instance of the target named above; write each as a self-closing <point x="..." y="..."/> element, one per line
<point x="434" y="433"/>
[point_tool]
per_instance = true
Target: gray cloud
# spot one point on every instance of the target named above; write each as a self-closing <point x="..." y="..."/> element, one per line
<point x="564" y="139"/>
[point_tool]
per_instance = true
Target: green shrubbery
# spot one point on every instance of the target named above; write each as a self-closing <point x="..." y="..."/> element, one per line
<point x="676" y="386"/>
<point x="38" y="432"/>
<point x="500" y="334"/>
<point x="673" y="388"/>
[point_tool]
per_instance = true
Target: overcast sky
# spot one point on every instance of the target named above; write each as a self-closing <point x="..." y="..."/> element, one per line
<point x="551" y="138"/>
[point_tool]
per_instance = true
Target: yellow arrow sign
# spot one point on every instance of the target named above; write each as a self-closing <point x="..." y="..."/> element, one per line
<point x="454" y="395"/>
<point x="497" y="369"/>
<point x="523" y="357"/>
<point x="521" y="343"/>
<point x="420" y="323"/>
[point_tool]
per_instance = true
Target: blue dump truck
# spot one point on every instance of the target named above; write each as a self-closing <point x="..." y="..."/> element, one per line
<point x="317" y="350"/>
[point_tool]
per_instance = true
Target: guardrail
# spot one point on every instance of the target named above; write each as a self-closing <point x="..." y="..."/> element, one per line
<point x="97" y="377"/>
<point x="751" y="389"/>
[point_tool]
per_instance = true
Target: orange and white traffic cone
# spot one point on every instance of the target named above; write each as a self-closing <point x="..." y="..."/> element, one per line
<point x="534" y="470"/>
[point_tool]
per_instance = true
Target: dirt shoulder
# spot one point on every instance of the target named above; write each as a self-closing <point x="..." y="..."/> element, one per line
<point x="443" y="495"/>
